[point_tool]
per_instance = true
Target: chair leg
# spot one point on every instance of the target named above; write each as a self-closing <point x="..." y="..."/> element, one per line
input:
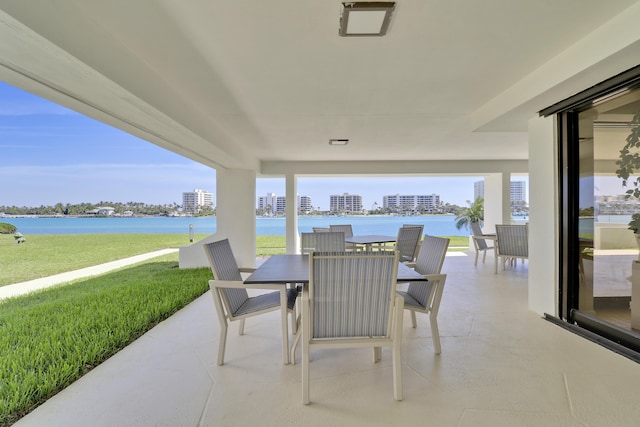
<point x="476" y="260"/>
<point x="397" y="349"/>
<point x="284" y="311"/>
<point x="435" y="334"/>
<point x="222" y="343"/>
<point x="241" y="327"/>
<point x="413" y="319"/>
<point x="484" y="256"/>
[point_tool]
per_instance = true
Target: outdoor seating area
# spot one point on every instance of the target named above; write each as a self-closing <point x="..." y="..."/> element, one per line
<point x="500" y="364"/>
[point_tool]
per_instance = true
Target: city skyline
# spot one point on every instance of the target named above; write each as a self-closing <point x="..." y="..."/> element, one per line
<point x="51" y="154"/>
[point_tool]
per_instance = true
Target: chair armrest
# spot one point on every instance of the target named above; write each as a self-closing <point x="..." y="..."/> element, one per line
<point x="247" y="269"/>
<point x="239" y="284"/>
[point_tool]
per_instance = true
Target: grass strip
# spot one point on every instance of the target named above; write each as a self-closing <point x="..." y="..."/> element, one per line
<point x="48" y="254"/>
<point x="51" y="338"/>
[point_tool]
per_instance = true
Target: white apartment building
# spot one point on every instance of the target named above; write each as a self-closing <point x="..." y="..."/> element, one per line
<point x="193" y="201"/>
<point x="268" y="202"/>
<point x="345" y="203"/>
<point x="518" y="191"/>
<point x="304" y="204"/>
<point x="279" y="203"/>
<point x="428" y="201"/>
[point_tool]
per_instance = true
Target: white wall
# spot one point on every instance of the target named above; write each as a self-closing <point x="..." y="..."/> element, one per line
<point x="543" y="214"/>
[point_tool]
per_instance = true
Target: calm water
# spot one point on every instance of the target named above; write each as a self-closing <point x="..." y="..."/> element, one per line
<point x="387" y="225"/>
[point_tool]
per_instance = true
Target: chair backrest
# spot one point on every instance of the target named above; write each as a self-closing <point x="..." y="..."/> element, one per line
<point x="224" y="267"/>
<point x="320" y="229"/>
<point x="351" y="294"/>
<point x="407" y="241"/>
<point x="432" y="254"/>
<point x="429" y="262"/>
<point x="346" y="228"/>
<point x="330" y="242"/>
<point x="513" y="240"/>
<point x="307" y="242"/>
<point x="476" y="230"/>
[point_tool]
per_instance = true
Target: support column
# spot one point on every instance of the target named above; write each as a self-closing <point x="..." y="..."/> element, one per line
<point x="292" y="213"/>
<point x="506" y="198"/>
<point x="493" y="201"/>
<point x="235" y="220"/>
<point x="543" y="214"/>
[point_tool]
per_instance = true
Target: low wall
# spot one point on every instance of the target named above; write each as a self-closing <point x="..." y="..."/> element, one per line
<point x="613" y="236"/>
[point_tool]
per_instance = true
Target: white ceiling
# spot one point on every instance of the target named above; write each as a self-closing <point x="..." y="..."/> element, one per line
<point x="239" y="82"/>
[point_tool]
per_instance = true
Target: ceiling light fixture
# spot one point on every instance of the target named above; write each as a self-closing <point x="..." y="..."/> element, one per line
<point x="367" y="18"/>
<point x="338" y="141"/>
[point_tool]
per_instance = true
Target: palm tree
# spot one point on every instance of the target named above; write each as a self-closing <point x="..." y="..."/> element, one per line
<point x="474" y="213"/>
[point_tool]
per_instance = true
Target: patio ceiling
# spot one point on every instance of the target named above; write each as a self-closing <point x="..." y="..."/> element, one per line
<point x="241" y="83"/>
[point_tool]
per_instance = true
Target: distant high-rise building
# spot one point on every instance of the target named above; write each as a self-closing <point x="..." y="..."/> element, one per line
<point x="345" y="203"/>
<point x="518" y="191"/>
<point x="478" y="190"/>
<point x="426" y="201"/>
<point x="268" y="202"/>
<point x="272" y="203"/>
<point x="304" y="204"/>
<point x="193" y="201"/>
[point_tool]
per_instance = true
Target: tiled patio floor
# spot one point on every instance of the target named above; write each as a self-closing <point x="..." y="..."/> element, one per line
<point x="501" y="365"/>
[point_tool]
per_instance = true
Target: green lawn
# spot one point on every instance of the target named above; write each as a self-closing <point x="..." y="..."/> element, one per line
<point x="51" y="338"/>
<point x="47" y="254"/>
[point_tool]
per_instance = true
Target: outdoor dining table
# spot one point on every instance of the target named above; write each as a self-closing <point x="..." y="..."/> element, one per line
<point x="370" y="239"/>
<point x="284" y="269"/>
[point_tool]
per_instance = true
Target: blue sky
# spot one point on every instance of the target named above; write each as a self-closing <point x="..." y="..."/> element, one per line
<point x="50" y="154"/>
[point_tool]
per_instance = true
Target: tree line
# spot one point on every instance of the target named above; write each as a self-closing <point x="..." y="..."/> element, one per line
<point x="77" y="209"/>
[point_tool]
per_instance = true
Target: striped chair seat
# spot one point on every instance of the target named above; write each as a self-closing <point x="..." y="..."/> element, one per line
<point x="265" y="302"/>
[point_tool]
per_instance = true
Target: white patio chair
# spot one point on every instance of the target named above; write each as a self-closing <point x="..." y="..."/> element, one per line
<point x="307" y="242"/>
<point x="351" y="302"/>
<point x="512" y="243"/>
<point x="348" y="232"/>
<point x="425" y="297"/>
<point x="480" y="241"/>
<point x="332" y="241"/>
<point x="407" y="243"/>
<point x="233" y="302"/>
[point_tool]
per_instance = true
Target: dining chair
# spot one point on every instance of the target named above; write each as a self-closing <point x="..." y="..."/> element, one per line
<point x="351" y="302"/>
<point x="480" y="241"/>
<point x="512" y="243"/>
<point x="407" y="242"/>
<point x="332" y="241"/>
<point x="307" y="242"/>
<point x="348" y="232"/>
<point x="425" y="297"/>
<point x="233" y="302"/>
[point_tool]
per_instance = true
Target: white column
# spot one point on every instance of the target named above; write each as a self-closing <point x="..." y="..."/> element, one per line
<point x="506" y="198"/>
<point x="292" y="214"/>
<point x="493" y="201"/>
<point x="543" y="214"/>
<point x="235" y="220"/>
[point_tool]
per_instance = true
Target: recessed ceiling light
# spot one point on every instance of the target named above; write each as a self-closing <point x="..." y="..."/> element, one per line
<point x="367" y="18"/>
<point x="338" y="141"/>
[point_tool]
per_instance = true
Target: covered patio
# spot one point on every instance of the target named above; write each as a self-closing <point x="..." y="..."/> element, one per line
<point x="501" y="365"/>
<point x="257" y="89"/>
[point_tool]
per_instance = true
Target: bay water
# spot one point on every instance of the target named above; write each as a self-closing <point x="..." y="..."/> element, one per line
<point x="438" y="225"/>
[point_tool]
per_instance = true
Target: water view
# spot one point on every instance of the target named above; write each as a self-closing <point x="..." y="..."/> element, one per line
<point x="388" y="225"/>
